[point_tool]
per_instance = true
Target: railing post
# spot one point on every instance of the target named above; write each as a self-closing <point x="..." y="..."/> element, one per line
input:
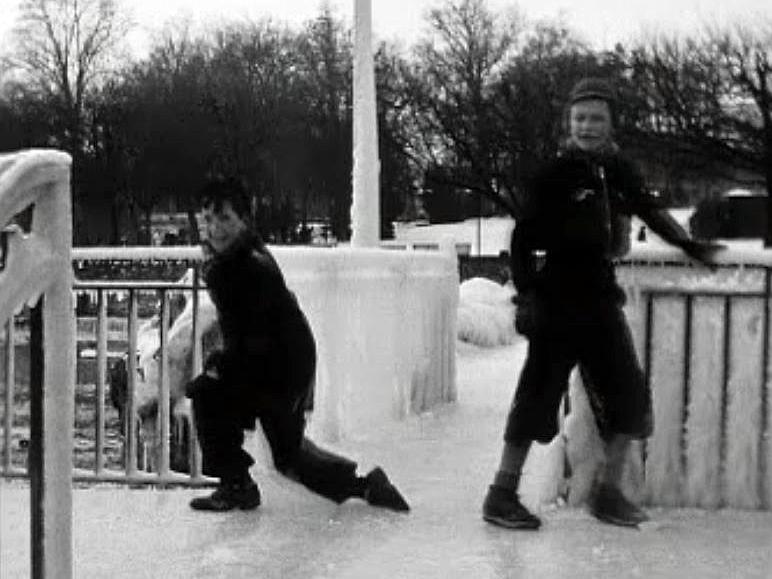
<point x="164" y="409"/>
<point x="36" y="458"/>
<point x="10" y="372"/>
<point x="34" y="265"/>
<point x="764" y="495"/>
<point x="101" y="371"/>
<point x="130" y="427"/>
<point x="194" y="452"/>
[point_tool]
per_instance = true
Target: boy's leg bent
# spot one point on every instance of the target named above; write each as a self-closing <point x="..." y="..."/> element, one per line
<point x="327" y="474"/>
<point x="217" y="414"/>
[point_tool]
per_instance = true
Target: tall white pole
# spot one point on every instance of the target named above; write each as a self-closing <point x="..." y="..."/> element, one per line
<point x="365" y="207"/>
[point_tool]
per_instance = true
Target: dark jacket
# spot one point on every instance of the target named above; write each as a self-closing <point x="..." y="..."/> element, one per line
<point x="269" y="354"/>
<point x="573" y="225"/>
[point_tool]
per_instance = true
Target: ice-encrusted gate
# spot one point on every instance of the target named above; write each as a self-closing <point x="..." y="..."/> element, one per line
<point x="703" y="339"/>
<point x="384" y="322"/>
<point x="36" y="269"/>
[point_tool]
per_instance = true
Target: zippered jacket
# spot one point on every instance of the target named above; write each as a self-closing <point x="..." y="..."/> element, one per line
<point x="576" y="221"/>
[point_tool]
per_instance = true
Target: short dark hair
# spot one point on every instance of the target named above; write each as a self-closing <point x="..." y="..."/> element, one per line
<point x="216" y="192"/>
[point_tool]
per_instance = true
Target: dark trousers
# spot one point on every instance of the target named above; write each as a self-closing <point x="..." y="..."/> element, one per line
<point x="220" y="422"/>
<point x="596" y="337"/>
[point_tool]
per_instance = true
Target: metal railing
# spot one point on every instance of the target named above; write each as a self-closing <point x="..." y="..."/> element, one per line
<point x="138" y="449"/>
<point x="35" y="191"/>
<point x="158" y="444"/>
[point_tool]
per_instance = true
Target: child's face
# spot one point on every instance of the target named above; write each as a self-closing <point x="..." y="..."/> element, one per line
<point x="590" y="124"/>
<point x="223" y="227"/>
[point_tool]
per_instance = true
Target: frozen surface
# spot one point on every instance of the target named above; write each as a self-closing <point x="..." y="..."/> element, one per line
<point x="443" y="462"/>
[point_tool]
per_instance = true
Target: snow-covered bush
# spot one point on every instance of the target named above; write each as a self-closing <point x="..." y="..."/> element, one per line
<point x="486" y="313"/>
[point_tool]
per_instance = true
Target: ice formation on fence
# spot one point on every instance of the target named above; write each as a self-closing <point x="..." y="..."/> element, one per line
<point x="384" y="322"/>
<point x="38" y="263"/>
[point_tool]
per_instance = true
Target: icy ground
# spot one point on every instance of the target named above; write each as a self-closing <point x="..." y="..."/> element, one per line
<point x="443" y="463"/>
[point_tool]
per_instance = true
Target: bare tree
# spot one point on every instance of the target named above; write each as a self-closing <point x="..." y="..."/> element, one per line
<point x="707" y="100"/>
<point x="61" y="47"/>
<point x="745" y="54"/>
<point x="453" y="87"/>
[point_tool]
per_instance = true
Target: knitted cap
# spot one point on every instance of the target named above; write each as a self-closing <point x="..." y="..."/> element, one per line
<point x="592" y="88"/>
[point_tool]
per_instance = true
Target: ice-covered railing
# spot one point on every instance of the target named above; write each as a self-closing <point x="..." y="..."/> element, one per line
<point x="384" y="323"/>
<point x="704" y="340"/>
<point x="36" y="264"/>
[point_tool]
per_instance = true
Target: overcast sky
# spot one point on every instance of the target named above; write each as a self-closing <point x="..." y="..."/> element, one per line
<point x="603" y="22"/>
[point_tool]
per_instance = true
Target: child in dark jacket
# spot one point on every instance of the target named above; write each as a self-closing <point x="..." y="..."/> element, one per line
<point x="575" y="221"/>
<point x="265" y="371"/>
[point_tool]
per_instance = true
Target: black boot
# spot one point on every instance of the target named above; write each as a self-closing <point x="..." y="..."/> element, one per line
<point x="502" y="507"/>
<point x="379" y="492"/>
<point x="608" y="504"/>
<point x="244" y="495"/>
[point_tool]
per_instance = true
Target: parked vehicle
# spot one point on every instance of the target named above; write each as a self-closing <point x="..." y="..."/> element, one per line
<point x="737" y="214"/>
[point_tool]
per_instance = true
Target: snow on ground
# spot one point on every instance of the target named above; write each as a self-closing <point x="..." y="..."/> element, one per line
<point x="443" y="462"/>
<point x="485" y="312"/>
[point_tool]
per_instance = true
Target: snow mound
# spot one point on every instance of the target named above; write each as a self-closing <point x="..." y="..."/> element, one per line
<point x="485" y="313"/>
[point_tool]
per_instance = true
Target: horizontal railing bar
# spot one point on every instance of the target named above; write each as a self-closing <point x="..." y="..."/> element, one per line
<point x="14" y="472"/>
<point x="640" y="254"/>
<point x="142" y="478"/>
<point x="626" y="262"/>
<point x="138" y="253"/>
<point x="119" y="477"/>
<point x="684" y="293"/>
<point x="138" y="285"/>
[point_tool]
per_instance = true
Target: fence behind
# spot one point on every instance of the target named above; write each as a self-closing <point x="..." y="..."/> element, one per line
<point x="704" y="341"/>
<point x="384" y="323"/>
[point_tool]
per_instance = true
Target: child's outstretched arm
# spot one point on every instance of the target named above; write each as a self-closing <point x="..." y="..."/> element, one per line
<point x="663" y="224"/>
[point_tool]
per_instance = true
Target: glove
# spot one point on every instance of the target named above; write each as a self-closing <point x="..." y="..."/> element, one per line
<point x="702" y="251"/>
<point x="530" y="314"/>
<point x="201" y="383"/>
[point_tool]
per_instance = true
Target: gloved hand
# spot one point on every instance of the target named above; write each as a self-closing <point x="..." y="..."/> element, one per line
<point x="530" y="314"/>
<point x="201" y="383"/>
<point x="702" y="251"/>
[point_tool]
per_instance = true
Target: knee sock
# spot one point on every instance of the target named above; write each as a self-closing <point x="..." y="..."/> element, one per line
<point x="512" y="459"/>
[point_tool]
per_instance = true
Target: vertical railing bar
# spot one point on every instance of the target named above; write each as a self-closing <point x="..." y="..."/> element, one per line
<point x="686" y="379"/>
<point x="10" y="383"/>
<point x="727" y="351"/>
<point x="647" y="361"/>
<point x="36" y="458"/>
<point x="163" y="396"/>
<point x="194" y="452"/>
<point x="764" y="423"/>
<point x="101" y="373"/>
<point x="130" y="427"/>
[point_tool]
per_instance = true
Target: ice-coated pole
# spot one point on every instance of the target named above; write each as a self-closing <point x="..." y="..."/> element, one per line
<point x="365" y="206"/>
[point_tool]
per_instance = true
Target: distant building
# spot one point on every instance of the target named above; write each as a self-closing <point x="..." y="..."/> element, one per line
<point x="172" y="228"/>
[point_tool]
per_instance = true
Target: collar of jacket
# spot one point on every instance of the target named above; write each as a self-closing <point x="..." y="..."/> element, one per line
<point x="243" y="245"/>
<point x="570" y="149"/>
